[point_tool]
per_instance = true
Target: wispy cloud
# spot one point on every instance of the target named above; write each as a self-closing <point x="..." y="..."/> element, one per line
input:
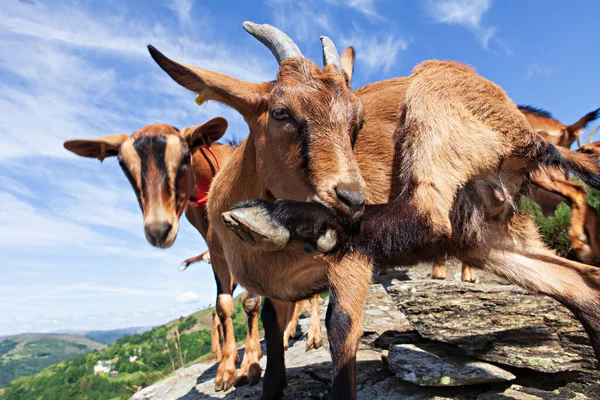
<point x="468" y="14"/>
<point x="365" y="7"/>
<point x="538" y="70"/>
<point x="183" y="9"/>
<point x="375" y="52"/>
<point x="302" y="20"/>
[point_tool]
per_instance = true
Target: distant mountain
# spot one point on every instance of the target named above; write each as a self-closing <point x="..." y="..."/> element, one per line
<point x="27" y="354"/>
<point x="110" y="336"/>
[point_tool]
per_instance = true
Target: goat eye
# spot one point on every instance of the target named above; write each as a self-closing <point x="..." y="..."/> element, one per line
<point x="280" y="114"/>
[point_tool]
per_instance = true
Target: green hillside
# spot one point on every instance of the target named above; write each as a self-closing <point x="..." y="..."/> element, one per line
<point x="27" y="354"/>
<point x="159" y="352"/>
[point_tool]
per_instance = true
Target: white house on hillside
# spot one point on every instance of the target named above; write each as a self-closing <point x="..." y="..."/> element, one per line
<point x="102" y="367"/>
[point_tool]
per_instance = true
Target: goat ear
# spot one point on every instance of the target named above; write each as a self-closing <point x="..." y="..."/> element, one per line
<point x="209" y="85"/>
<point x="205" y="134"/>
<point x="347" y="58"/>
<point x="100" y="148"/>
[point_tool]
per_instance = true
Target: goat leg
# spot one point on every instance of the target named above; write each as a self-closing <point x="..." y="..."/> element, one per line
<point x="349" y="280"/>
<point x="273" y="316"/>
<point x="250" y="370"/>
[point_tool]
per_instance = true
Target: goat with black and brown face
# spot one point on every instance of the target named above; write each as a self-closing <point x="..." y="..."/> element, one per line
<point x="170" y="171"/>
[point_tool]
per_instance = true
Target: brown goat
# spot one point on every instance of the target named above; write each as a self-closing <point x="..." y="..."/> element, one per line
<point x="170" y="171"/>
<point x="304" y="127"/>
<point x="550" y="187"/>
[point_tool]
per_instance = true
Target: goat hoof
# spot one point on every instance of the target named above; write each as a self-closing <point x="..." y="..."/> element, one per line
<point x="254" y="374"/>
<point x="313" y="342"/>
<point x="183" y="266"/>
<point x="327" y="241"/>
<point x="582" y="238"/>
<point x="254" y="226"/>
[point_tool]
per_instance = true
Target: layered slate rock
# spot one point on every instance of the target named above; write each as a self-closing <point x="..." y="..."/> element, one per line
<point x="531" y="337"/>
<point x="497" y="323"/>
<point x="430" y="365"/>
<point x="383" y="323"/>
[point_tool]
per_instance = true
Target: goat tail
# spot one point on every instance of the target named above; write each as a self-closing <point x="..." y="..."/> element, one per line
<point x="584" y="165"/>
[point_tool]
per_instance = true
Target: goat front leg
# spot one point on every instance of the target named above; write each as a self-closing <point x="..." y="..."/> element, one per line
<point x="250" y="369"/>
<point x="202" y="257"/>
<point x="273" y="315"/>
<point x="349" y="281"/>
<point x="258" y="222"/>
<point x="314" y="339"/>
<point x="226" y="372"/>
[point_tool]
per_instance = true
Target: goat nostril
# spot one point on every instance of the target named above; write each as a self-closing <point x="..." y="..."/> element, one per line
<point x="159" y="231"/>
<point x="350" y="198"/>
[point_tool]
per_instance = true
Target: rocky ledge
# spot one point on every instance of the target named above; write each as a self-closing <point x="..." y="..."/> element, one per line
<point x="429" y="339"/>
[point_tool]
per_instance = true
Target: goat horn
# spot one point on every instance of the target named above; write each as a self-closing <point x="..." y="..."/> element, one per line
<point x="330" y="53"/>
<point x="278" y="42"/>
<point x="592" y="133"/>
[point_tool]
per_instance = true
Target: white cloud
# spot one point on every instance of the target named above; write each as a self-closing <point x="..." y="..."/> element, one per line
<point x="22" y="225"/>
<point x="71" y="93"/>
<point x="376" y="52"/>
<point x="188" y="297"/>
<point x="183" y="9"/>
<point x="467" y="13"/>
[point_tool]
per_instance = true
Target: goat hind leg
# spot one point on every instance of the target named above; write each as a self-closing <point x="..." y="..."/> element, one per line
<point x="591" y="226"/>
<point x="575" y="194"/>
<point x="439" y="270"/>
<point x="527" y="263"/>
<point x="468" y="273"/>
<point x="273" y="316"/>
<point x="314" y="339"/>
<point x="216" y="335"/>
<point x="226" y="372"/>
<point x="291" y="324"/>
<point x="250" y="370"/>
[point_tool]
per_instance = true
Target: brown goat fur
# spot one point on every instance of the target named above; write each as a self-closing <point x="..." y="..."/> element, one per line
<point x="551" y="187"/>
<point x="417" y="172"/>
<point x="443" y="180"/>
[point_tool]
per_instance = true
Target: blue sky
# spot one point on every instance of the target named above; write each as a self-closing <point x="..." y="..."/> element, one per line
<point x="73" y="253"/>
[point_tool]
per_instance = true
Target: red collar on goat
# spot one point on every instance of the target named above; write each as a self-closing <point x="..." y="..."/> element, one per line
<point x="200" y="196"/>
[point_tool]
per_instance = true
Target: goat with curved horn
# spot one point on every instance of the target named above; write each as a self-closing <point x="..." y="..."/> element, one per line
<point x="330" y="53"/>
<point x="278" y="42"/>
